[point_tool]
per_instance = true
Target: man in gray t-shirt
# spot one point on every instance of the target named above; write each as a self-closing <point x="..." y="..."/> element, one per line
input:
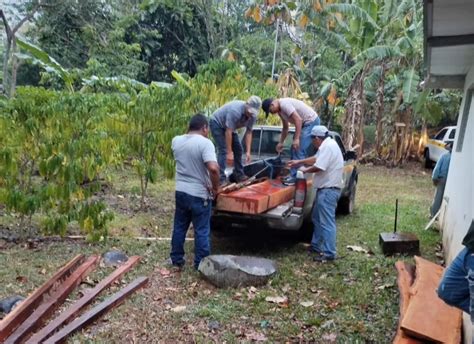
<point x="224" y="123"/>
<point x="197" y="183"/>
<point x="303" y="117"/>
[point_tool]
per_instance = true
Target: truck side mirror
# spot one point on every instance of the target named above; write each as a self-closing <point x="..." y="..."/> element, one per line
<point x="350" y="155"/>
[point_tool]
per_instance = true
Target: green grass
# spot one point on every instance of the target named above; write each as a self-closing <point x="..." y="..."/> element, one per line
<point x="354" y="299"/>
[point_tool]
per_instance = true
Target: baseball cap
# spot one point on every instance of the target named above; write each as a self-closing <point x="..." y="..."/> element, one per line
<point x="266" y="105"/>
<point x="254" y="103"/>
<point x="319" y="131"/>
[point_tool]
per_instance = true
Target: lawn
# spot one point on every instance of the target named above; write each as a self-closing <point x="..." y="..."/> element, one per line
<point x="354" y="299"/>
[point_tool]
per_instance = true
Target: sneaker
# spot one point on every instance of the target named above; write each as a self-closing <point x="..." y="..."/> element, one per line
<point x="289" y="180"/>
<point x="323" y="259"/>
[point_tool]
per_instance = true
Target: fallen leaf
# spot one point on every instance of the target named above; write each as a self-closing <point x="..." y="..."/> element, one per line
<point x="252" y="289"/>
<point x="178" y="309"/>
<point x="21" y="279"/>
<point x="306" y="303"/>
<point x="165" y="272"/>
<point x="286" y="288"/>
<point x="43" y="271"/>
<point x="277" y="299"/>
<point x="255" y="336"/>
<point x="384" y="286"/>
<point x="330" y="337"/>
<point x="356" y="249"/>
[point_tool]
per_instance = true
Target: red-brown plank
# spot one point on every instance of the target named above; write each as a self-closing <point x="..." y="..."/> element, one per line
<point x="97" y="311"/>
<point x="427" y="316"/>
<point x="88" y="297"/>
<point x="24" y="309"/>
<point x="56" y="298"/>
<point x="406" y="276"/>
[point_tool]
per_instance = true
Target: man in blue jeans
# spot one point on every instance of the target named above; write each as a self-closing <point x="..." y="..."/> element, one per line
<point x="303" y="117"/>
<point x="197" y="182"/>
<point x="224" y="123"/>
<point x="457" y="285"/>
<point x="327" y="166"/>
<point x="439" y="177"/>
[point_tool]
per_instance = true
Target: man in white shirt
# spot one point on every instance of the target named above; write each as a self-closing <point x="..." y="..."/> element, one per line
<point x="197" y="183"/>
<point x="303" y="117"/>
<point x="327" y="166"/>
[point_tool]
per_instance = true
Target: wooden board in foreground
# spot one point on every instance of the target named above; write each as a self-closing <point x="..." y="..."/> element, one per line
<point x="25" y="308"/>
<point x="88" y="297"/>
<point x="427" y="316"/>
<point x="406" y="276"/>
<point x="97" y="311"/>
<point x="50" y="302"/>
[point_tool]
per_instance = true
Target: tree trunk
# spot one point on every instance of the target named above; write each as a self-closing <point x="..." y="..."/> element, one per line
<point x="379" y="109"/>
<point x="15" y="66"/>
<point x="352" y="106"/>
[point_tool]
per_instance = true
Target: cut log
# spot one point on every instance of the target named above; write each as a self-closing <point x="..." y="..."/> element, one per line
<point x="23" y="311"/>
<point x="256" y="198"/>
<point x="88" y="297"/>
<point x="427" y="316"/>
<point x="50" y="302"/>
<point x="406" y="276"/>
<point x="97" y="311"/>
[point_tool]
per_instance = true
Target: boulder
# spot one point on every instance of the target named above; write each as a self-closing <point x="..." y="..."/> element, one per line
<point x="114" y="258"/>
<point x="236" y="271"/>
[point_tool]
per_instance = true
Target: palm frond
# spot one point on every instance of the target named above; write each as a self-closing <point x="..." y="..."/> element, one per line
<point x="378" y="52"/>
<point x="410" y="84"/>
<point x="337" y="40"/>
<point x="348" y="75"/>
<point x="352" y="10"/>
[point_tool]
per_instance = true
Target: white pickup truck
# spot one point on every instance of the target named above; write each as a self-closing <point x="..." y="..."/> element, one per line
<point x="435" y="146"/>
<point x="284" y="216"/>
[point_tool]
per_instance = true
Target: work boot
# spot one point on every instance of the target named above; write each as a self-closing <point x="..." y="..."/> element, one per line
<point x="323" y="259"/>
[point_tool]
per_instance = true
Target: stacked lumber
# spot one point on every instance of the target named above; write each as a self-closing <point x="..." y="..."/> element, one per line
<point x="256" y="198"/>
<point x="423" y="315"/>
<point x="20" y="325"/>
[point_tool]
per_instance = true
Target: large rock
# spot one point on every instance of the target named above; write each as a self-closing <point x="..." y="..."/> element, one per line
<point x="236" y="271"/>
<point x="114" y="258"/>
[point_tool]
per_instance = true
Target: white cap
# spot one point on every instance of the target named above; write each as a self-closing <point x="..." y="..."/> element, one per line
<point x="254" y="103"/>
<point x="319" y="131"/>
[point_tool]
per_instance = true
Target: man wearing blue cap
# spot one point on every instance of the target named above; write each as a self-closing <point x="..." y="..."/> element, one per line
<point x="303" y="117"/>
<point x="327" y="166"/>
<point x="224" y="123"/>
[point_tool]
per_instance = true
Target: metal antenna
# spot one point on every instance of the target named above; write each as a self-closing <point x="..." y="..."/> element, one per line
<point x="396" y="216"/>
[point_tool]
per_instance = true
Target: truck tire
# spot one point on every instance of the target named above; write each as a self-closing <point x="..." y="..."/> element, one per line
<point x="347" y="203"/>
<point x="427" y="162"/>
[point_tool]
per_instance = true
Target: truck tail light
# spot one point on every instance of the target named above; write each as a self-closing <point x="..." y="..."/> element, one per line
<point x="300" y="191"/>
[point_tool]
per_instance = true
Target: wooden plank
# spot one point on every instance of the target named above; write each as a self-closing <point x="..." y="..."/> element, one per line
<point x="256" y="198"/>
<point x="406" y="276"/>
<point x="88" y="297"/>
<point x="427" y="316"/>
<point x="50" y="302"/>
<point x="97" y="311"/>
<point x="25" y="308"/>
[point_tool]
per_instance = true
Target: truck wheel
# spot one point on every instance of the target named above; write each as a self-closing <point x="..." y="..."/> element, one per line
<point x="427" y="162"/>
<point x="347" y="203"/>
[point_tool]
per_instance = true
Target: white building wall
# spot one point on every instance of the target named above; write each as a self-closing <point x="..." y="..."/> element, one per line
<point x="458" y="205"/>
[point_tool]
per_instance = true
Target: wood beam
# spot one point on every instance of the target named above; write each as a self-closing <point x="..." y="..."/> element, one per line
<point x="449" y="41"/>
<point x="25" y="308"/>
<point x="88" y="297"/>
<point x="49" y="304"/>
<point x="97" y="311"/>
